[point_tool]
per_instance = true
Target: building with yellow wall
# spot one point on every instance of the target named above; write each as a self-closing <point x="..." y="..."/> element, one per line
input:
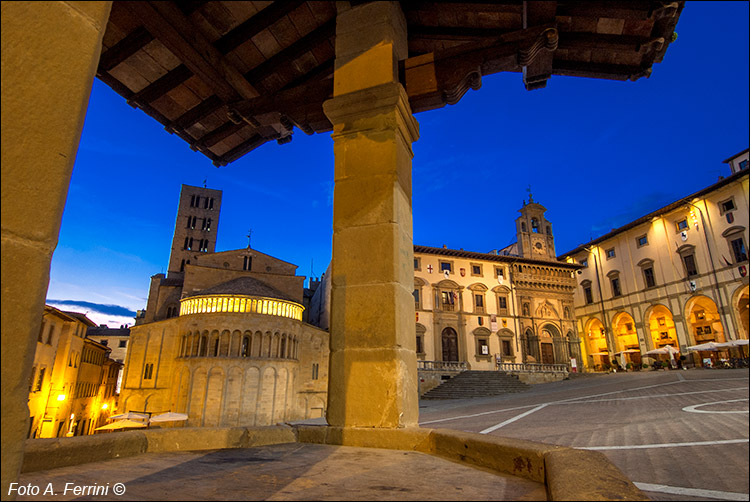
<point x="71" y="389"/>
<point x="677" y="276"/>
<point x="222" y="337"/>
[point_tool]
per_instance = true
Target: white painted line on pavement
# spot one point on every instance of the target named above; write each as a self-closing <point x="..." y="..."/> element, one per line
<point x="665" y="445"/>
<point x="458" y="417"/>
<point x="510" y="421"/>
<point x="692" y="492"/>
<point x="694" y="408"/>
<point x="710" y="391"/>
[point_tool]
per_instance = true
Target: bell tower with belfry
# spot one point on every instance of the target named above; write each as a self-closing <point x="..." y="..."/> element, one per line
<point x="534" y="232"/>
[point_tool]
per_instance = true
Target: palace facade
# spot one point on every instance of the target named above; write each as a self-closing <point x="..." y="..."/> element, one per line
<point x="514" y="305"/>
<point x="677" y="276"/>
<point x="222" y="338"/>
<point x="72" y="389"/>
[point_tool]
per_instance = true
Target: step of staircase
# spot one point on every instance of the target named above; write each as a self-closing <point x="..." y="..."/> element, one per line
<point x="468" y="384"/>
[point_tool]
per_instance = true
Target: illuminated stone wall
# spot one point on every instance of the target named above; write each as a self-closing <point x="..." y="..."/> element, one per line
<point x="227" y="368"/>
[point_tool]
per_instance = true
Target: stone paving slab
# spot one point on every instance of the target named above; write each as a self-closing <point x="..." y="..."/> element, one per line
<point x="292" y="471"/>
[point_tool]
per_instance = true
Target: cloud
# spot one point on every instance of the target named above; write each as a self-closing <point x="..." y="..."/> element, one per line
<point x="99" y="308"/>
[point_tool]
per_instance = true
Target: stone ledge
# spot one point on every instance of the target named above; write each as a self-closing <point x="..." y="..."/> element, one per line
<point x="567" y="473"/>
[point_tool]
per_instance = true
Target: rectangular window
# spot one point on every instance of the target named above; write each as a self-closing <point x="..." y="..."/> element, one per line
<point x="417" y="264"/>
<point x="690" y="268"/>
<point x="648" y="277"/>
<point x="482" y="348"/>
<point x="616" y="287"/>
<point x="743" y="165"/>
<point x="738" y="248"/>
<point x="641" y="241"/>
<point x="502" y="302"/>
<point x="610" y="253"/>
<point x="476" y="270"/>
<point x="588" y="295"/>
<point x="584" y="262"/>
<point x="123" y="343"/>
<point x="40" y="380"/>
<point x="416" y="299"/>
<point x="499" y="272"/>
<point x="420" y="347"/>
<point x="682" y="225"/>
<point x="315" y="369"/>
<point x="448" y="300"/>
<point x="247" y="263"/>
<point x="444" y="265"/>
<point x="727" y="205"/>
<point x="479" y="302"/>
<point x="507" y="348"/>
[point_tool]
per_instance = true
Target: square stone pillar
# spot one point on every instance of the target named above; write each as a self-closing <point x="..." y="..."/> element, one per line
<point x="372" y="380"/>
<point x="50" y="51"/>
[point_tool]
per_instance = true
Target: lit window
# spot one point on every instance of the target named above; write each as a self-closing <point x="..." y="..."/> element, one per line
<point x="588" y="295"/>
<point x="616" y="287"/>
<point x="738" y="248"/>
<point x="690" y="268"/>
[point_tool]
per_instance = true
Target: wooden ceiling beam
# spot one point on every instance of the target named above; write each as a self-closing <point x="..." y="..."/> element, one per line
<point x="173" y="29"/>
<point x="538" y="71"/>
<point x="298" y="48"/>
<point x="599" y="70"/>
<point x="629" y="9"/>
<point x="161" y="86"/>
<point x="195" y="114"/>
<point x="443" y="77"/>
<point x="240" y="150"/>
<point x="122" y="50"/>
<point x="222" y="132"/>
<point x="617" y="43"/>
<point x="255" y="24"/>
<point x="454" y="33"/>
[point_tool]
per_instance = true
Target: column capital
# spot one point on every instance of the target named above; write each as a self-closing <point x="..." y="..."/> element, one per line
<point x="353" y="112"/>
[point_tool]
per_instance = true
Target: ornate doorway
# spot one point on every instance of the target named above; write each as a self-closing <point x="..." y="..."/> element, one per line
<point x="548" y="355"/>
<point x="450" y="345"/>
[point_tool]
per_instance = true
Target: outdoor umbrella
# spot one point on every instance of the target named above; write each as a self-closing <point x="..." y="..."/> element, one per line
<point x="708" y="346"/>
<point x="120" y="424"/>
<point x="169" y="417"/>
<point x="735" y="343"/>
<point x="129" y="416"/>
<point x="667" y="349"/>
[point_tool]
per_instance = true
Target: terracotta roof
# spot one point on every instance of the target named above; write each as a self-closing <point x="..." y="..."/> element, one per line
<point x="460" y="253"/>
<point x="228" y="76"/>
<point x="81" y="317"/>
<point x="246" y="286"/>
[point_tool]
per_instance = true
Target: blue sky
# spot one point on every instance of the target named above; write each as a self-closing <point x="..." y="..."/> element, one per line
<point x="596" y="153"/>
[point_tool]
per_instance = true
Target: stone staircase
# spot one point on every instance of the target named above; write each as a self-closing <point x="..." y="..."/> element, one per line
<point x="468" y="384"/>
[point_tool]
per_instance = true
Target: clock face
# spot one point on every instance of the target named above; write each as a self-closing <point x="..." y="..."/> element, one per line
<point x="538" y="247"/>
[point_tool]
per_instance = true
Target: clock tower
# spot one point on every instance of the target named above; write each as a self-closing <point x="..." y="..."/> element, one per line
<point x="534" y="232"/>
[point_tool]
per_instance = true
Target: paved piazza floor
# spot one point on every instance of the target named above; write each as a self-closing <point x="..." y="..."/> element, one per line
<point x="679" y="435"/>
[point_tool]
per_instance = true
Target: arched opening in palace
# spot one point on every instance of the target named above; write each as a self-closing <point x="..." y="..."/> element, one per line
<point x="705" y="326"/>
<point x="449" y="340"/>
<point x="627" y="348"/>
<point x="741" y="306"/>
<point x="596" y="345"/>
<point x="661" y="327"/>
<point x="704" y="320"/>
<point x="550" y="345"/>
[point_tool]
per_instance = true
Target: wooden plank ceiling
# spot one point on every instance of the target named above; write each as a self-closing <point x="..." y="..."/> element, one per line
<point x="229" y="76"/>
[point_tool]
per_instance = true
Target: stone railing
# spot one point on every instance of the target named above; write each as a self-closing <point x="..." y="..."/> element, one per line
<point x="532" y="368"/>
<point x="442" y="365"/>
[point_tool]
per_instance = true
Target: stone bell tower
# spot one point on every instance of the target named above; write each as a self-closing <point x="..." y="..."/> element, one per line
<point x="534" y="232"/>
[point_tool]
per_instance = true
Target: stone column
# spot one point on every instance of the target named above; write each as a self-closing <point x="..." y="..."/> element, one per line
<point x="50" y="51"/>
<point x="372" y="380"/>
